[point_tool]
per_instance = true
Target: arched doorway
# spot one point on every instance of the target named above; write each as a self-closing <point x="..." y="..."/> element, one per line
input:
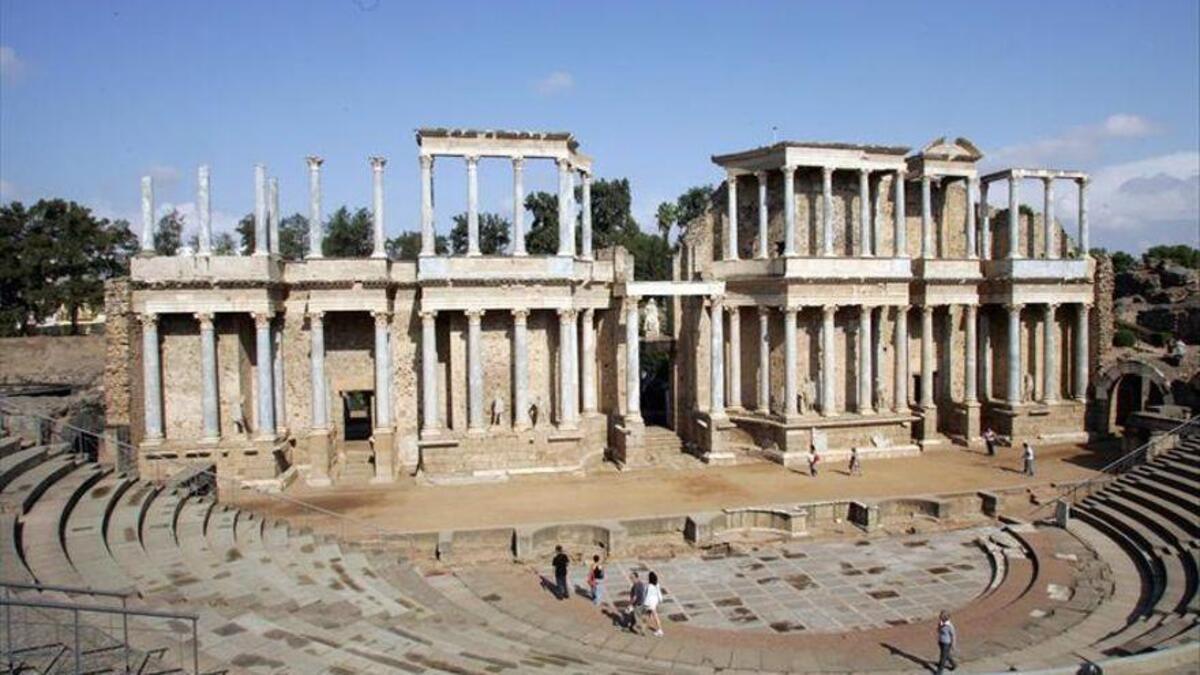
<point x="1127" y="387"/>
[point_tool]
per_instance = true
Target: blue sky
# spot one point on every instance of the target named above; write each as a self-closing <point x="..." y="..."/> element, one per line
<point x="94" y="94"/>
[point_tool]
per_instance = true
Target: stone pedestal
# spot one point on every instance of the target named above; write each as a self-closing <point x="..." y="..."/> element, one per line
<point x="320" y="449"/>
<point x="382" y="442"/>
<point x="972" y="423"/>
<point x="928" y="426"/>
<point x="629" y="442"/>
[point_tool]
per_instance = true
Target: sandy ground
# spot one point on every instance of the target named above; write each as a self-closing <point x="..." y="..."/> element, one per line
<point x="407" y="506"/>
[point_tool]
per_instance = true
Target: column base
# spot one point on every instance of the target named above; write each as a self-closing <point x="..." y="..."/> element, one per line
<point x="385" y="456"/>
<point x="929" y="424"/>
<point x="972" y="423"/>
<point x="320" y="446"/>
<point x="210" y="441"/>
<point x="379" y="255"/>
<point x="431" y="434"/>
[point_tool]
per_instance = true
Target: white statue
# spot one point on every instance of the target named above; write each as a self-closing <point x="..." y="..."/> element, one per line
<point x="808" y="395"/>
<point x="497" y="409"/>
<point x="239" y="416"/>
<point x="535" y="409"/>
<point x="650" y="322"/>
<point x="1029" y="387"/>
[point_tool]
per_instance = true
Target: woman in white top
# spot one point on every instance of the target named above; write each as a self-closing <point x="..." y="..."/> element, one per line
<point x="653" y="598"/>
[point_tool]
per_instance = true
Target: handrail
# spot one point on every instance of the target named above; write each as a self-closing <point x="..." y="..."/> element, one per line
<point x="73" y="606"/>
<point x="68" y="589"/>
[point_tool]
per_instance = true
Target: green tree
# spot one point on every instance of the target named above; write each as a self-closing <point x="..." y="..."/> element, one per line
<point x="293" y="237"/>
<point x="245" y="231"/>
<point x="15" y="305"/>
<point x="493" y="234"/>
<point x="1181" y="254"/>
<point x="407" y="246"/>
<point x="1121" y="261"/>
<point x="223" y="244"/>
<point x="542" y="238"/>
<point x="168" y="236"/>
<point x="612" y="212"/>
<point x="348" y="235"/>
<point x="665" y="218"/>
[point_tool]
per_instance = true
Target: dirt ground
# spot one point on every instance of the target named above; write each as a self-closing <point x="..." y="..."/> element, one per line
<point x="77" y="360"/>
<point x="407" y="506"/>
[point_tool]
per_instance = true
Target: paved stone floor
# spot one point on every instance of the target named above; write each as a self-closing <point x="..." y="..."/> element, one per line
<point x="830" y="586"/>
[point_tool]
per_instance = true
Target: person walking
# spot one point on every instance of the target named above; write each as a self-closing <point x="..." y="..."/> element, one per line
<point x="595" y="580"/>
<point x="813" y="460"/>
<point x="1027" y="455"/>
<point x="947" y="640"/>
<point x="560" y="563"/>
<point x="651" y="602"/>
<point x="989" y="439"/>
<point x="855" y="463"/>
<point x="637" y="600"/>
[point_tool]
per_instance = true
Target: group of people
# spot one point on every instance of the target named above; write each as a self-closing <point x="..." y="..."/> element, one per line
<point x="990" y="439"/>
<point x="814" y="462"/>
<point x="644" y="596"/>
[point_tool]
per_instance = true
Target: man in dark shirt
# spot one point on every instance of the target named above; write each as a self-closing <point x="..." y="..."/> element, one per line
<point x="637" y="598"/>
<point x="560" y="563"/>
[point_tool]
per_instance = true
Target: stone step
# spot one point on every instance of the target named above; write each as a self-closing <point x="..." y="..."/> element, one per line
<point x="1175" y="578"/>
<point x="14" y="463"/>
<point x="24" y="490"/>
<point x="1182" y="519"/>
<point x="85" y="535"/>
<point x="12" y="567"/>
<point x="42" y="544"/>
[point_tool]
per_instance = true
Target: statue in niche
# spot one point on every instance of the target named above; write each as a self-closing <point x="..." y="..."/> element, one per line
<point x="808" y="395"/>
<point x="535" y="409"/>
<point x="497" y="409"/>
<point x="1028" y="387"/>
<point x="650" y="321"/>
<point x="239" y="416"/>
<point x="879" y="396"/>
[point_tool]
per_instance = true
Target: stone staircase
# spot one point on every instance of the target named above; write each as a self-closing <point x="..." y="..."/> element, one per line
<point x="355" y="465"/>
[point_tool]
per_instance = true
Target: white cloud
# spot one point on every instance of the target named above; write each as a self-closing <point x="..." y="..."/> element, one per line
<point x="1148" y="194"/>
<point x="556" y="82"/>
<point x="12" y="68"/>
<point x="1078" y="144"/>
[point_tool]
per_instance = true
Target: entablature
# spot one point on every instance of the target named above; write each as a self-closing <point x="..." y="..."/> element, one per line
<point x="204" y="301"/>
<point x="514" y="268"/>
<point x="810" y="154"/>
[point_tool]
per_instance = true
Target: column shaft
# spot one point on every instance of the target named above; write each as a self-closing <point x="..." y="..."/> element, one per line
<point x="316" y="236"/>
<point x="151" y="378"/>
<point x="278" y="380"/>
<point x="828" y="360"/>
<point x="588" y="367"/>
<point x="735" y="357"/>
<point x="429" y="373"/>
<point x="901" y="365"/>
<point x="518" y="217"/>
<point x="763" y="216"/>
<point x="316" y="362"/>
<point x="731" y="224"/>
<point x="985" y="358"/>
<point x="1079" y="390"/>
<point x="566" y="223"/>
<point x="1050" y="386"/>
<point x="789" y="211"/>
<point x="866" y="369"/>
<point x="1014" y="217"/>
<point x="1048" y="219"/>
<point x="764" y="359"/>
<point x="1013" y="382"/>
<point x="208" y="377"/>
<point x="586" y="216"/>
<point x="717" y="370"/>
<point x="568" y="330"/>
<point x="428" y="235"/>
<point x="827" y="211"/>
<point x="520" y="368"/>
<point x="633" y="376"/>
<point x="791" y="393"/>
<point x="265" y="369"/>
<point x="204" y="207"/>
<point x="985" y="224"/>
<point x="474" y="371"/>
<point x="377" y="164"/>
<point x="472" y="205"/>
<point x="273" y="214"/>
<point x="927" y="219"/>
<point x="383" y="372"/>
<point x="864" y="212"/>
<point x="262" y="244"/>
<point x="972" y="253"/>
<point x="971" y="377"/>
<point x="147" y="214"/>
<point x="927" y="356"/>
<point x="901" y="225"/>
<point x="1084" y="245"/>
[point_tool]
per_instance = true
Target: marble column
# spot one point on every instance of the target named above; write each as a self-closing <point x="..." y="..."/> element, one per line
<point x="877" y="202"/>
<point x="864" y="212"/>
<point x="927" y="218"/>
<point x="865" y="367"/>
<point x="972" y="253"/>
<point x="971" y="376"/>
<point x="1079" y="389"/>
<point x="826" y="210"/>
<point x="316" y="363"/>
<point x="383" y="371"/>
<point x="273" y="214"/>
<point x="633" y="375"/>
<point x="1048" y="218"/>
<point x="472" y="205"/>
<point x="1084" y="246"/>
<point x="1050" y="387"/>
<point x="586" y="215"/>
<point x="316" y="235"/>
<point x="789" y="210"/>
<point x="474" y="370"/>
<point x="1014" y="217"/>
<point x="901" y="225"/>
<point x="901" y="374"/>
<point x="985" y="358"/>
<point x="147" y="214"/>
<point x="588" y="367"/>
<point x="518" y="215"/>
<point x="520" y="370"/>
<point x="927" y="356"/>
<point x="828" y="360"/>
<point x="428" y="235"/>
<point x="566" y="223"/>
<point x="431" y="419"/>
<point x="1013" y="381"/>
<point x="735" y="358"/>
<point x="151" y="378"/>
<point x="204" y="209"/>
<point x="265" y="369"/>
<point x="208" y="378"/>
<point x="985" y="223"/>
<point x="568" y="364"/>
<point x="763" y="217"/>
<point x="377" y="164"/>
<point x="791" y="392"/>
<point x="717" y="369"/>
<point x="731" y="224"/>
<point x="278" y="380"/>
<point x="262" y="243"/>
<point x="764" y="359"/>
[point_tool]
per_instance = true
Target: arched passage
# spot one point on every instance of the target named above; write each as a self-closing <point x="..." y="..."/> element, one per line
<point x="1127" y="387"/>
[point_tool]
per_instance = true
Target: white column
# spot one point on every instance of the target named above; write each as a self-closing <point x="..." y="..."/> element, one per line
<point x="764" y="359"/>
<point x="901" y="365"/>
<point x="790" y="389"/>
<point x="1013" y="382"/>
<point x="1048" y="218"/>
<point x="472" y="205"/>
<point x="971" y="377"/>
<point x="717" y="370"/>
<point x="828" y="360"/>
<point x="474" y="371"/>
<point x="273" y="215"/>
<point x="279" y="381"/>
<point x="383" y="371"/>
<point x="428" y="236"/>
<point x="586" y="217"/>
<point x="633" y="376"/>
<point x="568" y="368"/>
<point x="827" y="211"/>
<point x="204" y="207"/>
<point x="316" y="235"/>
<point x="985" y="223"/>
<point x="208" y="377"/>
<point x="147" y="214"/>
<point x="431" y="419"/>
<point x="266" y="388"/>
<point x="1050" y="386"/>
<point x="926" y="218"/>
<point x="1014" y="217"/>
<point x="1079" y="390"/>
<point x="985" y="358"/>
<point x="900" y="224"/>
<point x="588" y="367"/>
<point x="735" y="357"/>
<point x="763" y="220"/>
<point x="1084" y="246"/>
<point x="566" y="224"/>
<point x="927" y="356"/>
<point x="262" y="244"/>
<point x="377" y="164"/>
<point x="316" y="363"/>
<point x="151" y="378"/>
<point x="789" y="210"/>
<point x="865" y="367"/>
<point x="731" y="224"/>
<point x="864" y="213"/>
<point x="971" y="250"/>
<point x="518" y="216"/>
<point x="877" y="202"/>
<point x="520" y="368"/>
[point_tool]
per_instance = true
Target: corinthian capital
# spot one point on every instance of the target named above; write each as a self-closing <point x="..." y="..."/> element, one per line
<point x="377" y="162"/>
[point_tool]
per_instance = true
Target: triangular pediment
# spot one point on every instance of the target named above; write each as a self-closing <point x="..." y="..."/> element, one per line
<point x="960" y="149"/>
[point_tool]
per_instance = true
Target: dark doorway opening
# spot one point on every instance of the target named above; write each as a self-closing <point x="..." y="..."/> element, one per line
<point x="655" y="386"/>
<point x="357" y="411"/>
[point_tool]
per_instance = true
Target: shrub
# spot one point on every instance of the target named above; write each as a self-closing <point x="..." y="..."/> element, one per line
<point x="1124" y="337"/>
